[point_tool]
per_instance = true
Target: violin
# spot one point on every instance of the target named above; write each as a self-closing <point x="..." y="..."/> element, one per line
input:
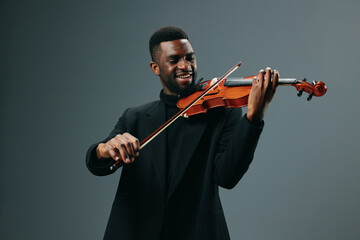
<point x="229" y="93"/>
<point x="234" y="93"/>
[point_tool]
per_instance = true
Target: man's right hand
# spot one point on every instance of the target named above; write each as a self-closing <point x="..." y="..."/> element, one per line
<point x="124" y="147"/>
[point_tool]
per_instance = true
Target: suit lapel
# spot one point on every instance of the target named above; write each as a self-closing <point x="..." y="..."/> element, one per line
<point x="189" y="140"/>
<point x="156" y="148"/>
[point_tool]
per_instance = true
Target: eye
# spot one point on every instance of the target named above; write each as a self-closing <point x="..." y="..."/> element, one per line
<point x="173" y="61"/>
<point x="190" y="58"/>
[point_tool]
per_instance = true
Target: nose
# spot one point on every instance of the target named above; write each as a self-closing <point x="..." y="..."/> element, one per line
<point x="183" y="64"/>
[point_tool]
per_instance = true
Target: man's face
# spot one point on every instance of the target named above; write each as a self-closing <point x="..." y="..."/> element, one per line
<point x="176" y="67"/>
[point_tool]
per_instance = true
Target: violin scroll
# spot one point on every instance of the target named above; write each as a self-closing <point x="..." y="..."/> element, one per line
<point x="317" y="88"/>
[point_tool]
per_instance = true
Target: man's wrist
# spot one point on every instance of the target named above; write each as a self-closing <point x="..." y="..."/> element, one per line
<point x="254" y="121"/>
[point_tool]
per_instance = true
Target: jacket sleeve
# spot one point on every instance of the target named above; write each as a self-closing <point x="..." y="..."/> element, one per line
<point x="235" y="149"/>
<point x="101" y="167"/>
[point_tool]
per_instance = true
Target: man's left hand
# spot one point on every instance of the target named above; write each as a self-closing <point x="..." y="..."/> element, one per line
<point x="262" y="91"/>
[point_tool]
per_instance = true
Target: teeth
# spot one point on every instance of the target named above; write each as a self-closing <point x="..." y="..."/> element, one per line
<point x="184" y="76"/>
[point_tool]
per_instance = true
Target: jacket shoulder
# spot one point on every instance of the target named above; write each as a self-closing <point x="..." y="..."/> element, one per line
<point x="143" y="108"/>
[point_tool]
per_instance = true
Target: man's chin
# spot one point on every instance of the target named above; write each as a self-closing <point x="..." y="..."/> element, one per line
<point x="187" y="90"/>
<point x="184" y="82"/>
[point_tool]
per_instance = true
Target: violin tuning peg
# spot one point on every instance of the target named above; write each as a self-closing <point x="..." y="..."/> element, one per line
<point x="310" y="96"/>
<point x="300" y="92"/>
<point x="314" y="82"/>
<point x="304" y="79"/>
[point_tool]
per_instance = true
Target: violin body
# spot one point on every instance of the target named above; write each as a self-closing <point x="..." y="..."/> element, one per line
<point x="220" y="96"/>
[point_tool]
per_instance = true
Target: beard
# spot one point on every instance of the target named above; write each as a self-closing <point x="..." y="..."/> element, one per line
<point x="174" y="87"/>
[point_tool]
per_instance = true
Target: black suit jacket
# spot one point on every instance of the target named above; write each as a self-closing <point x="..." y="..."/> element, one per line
<point x="216" y="150"/>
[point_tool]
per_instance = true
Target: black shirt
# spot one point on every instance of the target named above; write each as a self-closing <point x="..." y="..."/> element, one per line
<point x="172" y="134"/>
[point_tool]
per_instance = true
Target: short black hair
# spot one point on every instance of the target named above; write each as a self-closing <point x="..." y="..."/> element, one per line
<point x="164" y="34"/>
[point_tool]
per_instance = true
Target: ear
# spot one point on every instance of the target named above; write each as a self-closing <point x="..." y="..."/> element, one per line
<point x="155" y="68"/>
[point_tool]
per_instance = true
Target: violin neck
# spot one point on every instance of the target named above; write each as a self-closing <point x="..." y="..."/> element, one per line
<point x="248" y="81"/>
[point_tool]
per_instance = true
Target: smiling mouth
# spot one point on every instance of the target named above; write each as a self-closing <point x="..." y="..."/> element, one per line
<point x="184" y="76"/>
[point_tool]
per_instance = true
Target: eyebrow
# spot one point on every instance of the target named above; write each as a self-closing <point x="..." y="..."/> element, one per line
<point x="176" y="55"/>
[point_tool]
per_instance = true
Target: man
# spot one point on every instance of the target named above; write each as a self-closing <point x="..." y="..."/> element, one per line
<point x="169" y="190"/>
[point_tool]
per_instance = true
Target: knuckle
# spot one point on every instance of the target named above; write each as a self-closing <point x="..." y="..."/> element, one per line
<point x="109" y="147"/>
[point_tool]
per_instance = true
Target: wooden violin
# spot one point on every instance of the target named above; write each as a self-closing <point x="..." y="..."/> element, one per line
<point x="229" y="93"/>
<point x="234" y="93"/>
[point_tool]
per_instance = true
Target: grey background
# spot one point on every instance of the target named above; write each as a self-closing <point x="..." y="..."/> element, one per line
<point x="70" y="68"/>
